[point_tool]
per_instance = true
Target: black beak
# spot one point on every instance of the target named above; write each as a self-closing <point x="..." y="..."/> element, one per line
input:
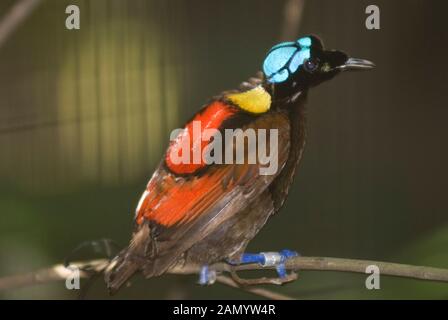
<point x="353" y="64"/>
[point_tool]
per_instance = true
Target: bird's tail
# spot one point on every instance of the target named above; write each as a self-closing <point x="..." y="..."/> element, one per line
<point x="128" y="261"/>
<point x="119" y="271"/>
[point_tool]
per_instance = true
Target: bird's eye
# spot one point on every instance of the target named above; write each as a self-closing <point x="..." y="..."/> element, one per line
<point x="310" y="65"/>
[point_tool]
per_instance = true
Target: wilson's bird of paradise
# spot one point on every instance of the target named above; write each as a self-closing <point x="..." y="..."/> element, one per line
<point x="201" y="213"/>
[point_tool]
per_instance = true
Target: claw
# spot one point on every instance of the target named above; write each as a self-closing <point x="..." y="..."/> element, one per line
<point x="206" y="276"/>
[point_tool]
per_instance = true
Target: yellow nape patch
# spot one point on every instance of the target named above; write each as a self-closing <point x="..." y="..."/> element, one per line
<point x="255" y="100"/>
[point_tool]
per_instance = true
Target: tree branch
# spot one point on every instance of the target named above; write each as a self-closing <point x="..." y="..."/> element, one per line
<point x="341" y="265"/>
<point x="18" y="14"/>
<point x="59" y="272"/>
<point x="292" y="16"/>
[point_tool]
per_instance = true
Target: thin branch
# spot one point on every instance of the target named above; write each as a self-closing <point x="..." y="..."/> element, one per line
<point x="293" y="11"/>
<point x="18" y="14"/>
<point x="55" y="273"/>
<point x="59" y="272"/>
<point x="341" y="265"/>
<point x="265" y="293"/>
<point x="360" y="266"/>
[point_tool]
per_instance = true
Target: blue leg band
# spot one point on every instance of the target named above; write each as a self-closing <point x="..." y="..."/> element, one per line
<point x="267" y="259"/>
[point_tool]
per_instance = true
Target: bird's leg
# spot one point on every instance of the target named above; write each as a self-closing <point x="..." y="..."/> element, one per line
<point x="266" y="259"/>
<point x="206" y="275"/>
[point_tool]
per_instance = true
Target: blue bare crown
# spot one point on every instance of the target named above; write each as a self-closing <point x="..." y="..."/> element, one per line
<point x="285" y="58"/>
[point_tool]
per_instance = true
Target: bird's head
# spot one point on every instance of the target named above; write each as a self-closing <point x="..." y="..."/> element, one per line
<point x="292" y="67"/>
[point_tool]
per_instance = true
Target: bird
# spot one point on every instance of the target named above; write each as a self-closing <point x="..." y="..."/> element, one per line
<point x="201" y="213"/>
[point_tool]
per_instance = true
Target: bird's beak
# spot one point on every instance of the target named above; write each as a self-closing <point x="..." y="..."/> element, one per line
<point x="353" y="64"/>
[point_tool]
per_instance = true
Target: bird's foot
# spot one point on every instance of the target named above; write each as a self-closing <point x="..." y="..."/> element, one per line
<point x="206" y="275"/>
<point x="266" y="259"/>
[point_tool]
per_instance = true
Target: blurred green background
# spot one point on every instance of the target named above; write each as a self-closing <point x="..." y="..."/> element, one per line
<point x="85" y="116"/>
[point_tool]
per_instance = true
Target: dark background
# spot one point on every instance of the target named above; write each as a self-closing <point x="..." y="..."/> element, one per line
<point x="85" y="116"/>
